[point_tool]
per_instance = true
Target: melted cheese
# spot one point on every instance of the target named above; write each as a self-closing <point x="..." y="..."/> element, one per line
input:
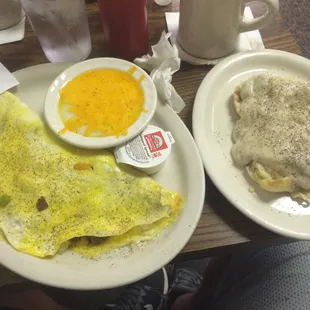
<point x="103" y="102"/>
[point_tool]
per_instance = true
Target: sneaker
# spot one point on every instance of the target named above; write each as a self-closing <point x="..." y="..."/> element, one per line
<point x="186" y="278"/>
<point x="148" y="294"/>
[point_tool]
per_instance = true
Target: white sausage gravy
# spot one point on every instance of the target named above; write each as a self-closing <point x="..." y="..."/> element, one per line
<point x="274" y="126"/>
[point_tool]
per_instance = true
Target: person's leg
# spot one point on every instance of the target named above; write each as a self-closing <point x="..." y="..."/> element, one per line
<point x="274" y="278"/>
<point x="33" y="299"/>
<point x="271" y="279"/>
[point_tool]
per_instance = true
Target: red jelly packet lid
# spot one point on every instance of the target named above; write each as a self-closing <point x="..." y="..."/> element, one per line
<point x="149" y="149"/>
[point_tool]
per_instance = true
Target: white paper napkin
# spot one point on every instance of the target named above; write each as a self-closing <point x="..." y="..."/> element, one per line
<point x="14" y="33"/>
<point x="163" y="64"/>
<point x="7" y="80"/>
<point x="247" y="41"/>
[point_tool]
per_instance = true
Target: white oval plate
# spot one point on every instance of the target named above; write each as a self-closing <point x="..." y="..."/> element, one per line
<point x="213" y="121"/>
<point x="52" y="98"/>
<point x="183" y="173"/>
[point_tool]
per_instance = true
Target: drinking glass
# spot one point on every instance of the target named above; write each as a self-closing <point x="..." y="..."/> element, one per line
<point x="61" y="27"/>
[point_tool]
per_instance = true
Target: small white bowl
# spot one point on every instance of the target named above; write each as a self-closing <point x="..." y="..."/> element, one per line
<point x="52" y="98"/>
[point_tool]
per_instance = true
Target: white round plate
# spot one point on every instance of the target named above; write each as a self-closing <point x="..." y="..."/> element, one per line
<point x="52" y="98"/>
<point x="183" y="173"/>
<point x="213" y="121"/>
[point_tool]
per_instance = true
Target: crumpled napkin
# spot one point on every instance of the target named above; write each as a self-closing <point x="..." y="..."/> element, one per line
<point x="163" y="64"/>
<point x="7" y="79"/>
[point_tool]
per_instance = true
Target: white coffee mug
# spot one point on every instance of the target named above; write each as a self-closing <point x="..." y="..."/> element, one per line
<point x="209" y="29"/>
<point x="11" y="13"/>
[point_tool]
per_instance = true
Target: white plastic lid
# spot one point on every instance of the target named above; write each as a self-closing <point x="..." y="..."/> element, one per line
<point x="163" y="2"/>
<point x="148" y="152"/>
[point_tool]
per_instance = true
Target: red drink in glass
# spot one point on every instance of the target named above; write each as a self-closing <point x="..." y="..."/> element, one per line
<point x="125" y="27"/>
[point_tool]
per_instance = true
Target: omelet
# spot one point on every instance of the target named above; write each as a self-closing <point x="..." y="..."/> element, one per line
<point x="94" y="248"/>
<point x="272" y="136"/>
<point x="53" y="196"/>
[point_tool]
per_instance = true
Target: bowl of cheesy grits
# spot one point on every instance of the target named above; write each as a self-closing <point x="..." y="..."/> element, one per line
<point x="100" y="103"/>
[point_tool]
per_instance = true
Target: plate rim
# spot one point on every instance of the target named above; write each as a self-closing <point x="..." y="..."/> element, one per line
<point x="200" y="139"/>
<point x="200" y="194"/>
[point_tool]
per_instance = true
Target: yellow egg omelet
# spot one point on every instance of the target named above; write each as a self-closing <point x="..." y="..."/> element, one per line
<point x="53" y="196"/>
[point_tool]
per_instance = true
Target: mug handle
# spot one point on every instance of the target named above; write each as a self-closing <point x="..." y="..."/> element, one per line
<point x="262" y="21"/>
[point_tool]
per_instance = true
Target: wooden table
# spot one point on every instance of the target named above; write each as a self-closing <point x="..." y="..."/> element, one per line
<point x="221" y="225"/>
